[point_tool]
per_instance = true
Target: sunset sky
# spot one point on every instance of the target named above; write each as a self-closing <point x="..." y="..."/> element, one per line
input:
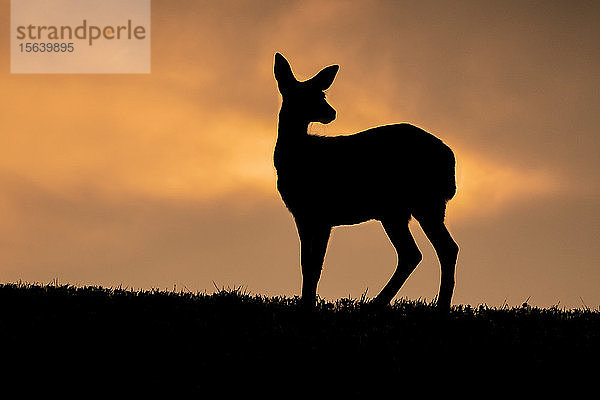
<point x="164" y="179"/>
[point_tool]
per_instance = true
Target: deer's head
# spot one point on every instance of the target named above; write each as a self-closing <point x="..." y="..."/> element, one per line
<point x="305" y="100"/>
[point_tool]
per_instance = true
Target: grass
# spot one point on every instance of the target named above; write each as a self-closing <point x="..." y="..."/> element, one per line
<point x="112" y="340"/>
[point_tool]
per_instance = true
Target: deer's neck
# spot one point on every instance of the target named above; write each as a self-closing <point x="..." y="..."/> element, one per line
<point x="291" y="126"/>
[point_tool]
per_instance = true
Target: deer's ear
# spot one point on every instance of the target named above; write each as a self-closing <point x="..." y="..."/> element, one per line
<point x="283" y="72"/>
<point x="325" y="77"/>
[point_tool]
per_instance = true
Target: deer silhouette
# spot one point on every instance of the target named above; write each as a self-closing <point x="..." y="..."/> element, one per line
<point x="388" y="173"/>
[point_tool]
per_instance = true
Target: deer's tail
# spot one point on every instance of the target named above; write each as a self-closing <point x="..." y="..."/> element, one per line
<point x="449" y="180"/>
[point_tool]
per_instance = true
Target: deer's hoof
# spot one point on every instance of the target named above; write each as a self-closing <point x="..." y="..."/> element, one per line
<point x="377" y="304"/>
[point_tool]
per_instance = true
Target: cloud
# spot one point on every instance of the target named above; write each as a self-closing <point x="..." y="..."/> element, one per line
<point x="486" y="187"/>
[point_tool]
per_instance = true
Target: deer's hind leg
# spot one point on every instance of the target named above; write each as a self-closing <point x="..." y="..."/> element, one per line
<point x="408" y="254"/>
<point x="431" y="220"/>
<point x="313" y="245"/>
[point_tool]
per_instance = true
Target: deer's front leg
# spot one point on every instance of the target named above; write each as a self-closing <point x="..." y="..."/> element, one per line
<point x="313" y="245"/>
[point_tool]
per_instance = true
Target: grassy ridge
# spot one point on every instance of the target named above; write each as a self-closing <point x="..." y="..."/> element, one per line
<point x="155" y="341"/>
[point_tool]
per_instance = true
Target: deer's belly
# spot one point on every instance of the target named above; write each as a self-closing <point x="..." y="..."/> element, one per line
<point x="337" y="204"/>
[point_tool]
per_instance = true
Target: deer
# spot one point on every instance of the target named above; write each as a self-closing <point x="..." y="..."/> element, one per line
<point x="388" y="173"/>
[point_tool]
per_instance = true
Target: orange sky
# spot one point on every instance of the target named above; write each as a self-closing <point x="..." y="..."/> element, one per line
<point x="167" y="179"/>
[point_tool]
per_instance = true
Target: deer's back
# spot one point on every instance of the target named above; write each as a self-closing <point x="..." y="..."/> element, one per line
<point x="356" y="177"/>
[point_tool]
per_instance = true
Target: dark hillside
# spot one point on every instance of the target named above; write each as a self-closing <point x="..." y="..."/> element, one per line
<point x="106" y="341"/>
